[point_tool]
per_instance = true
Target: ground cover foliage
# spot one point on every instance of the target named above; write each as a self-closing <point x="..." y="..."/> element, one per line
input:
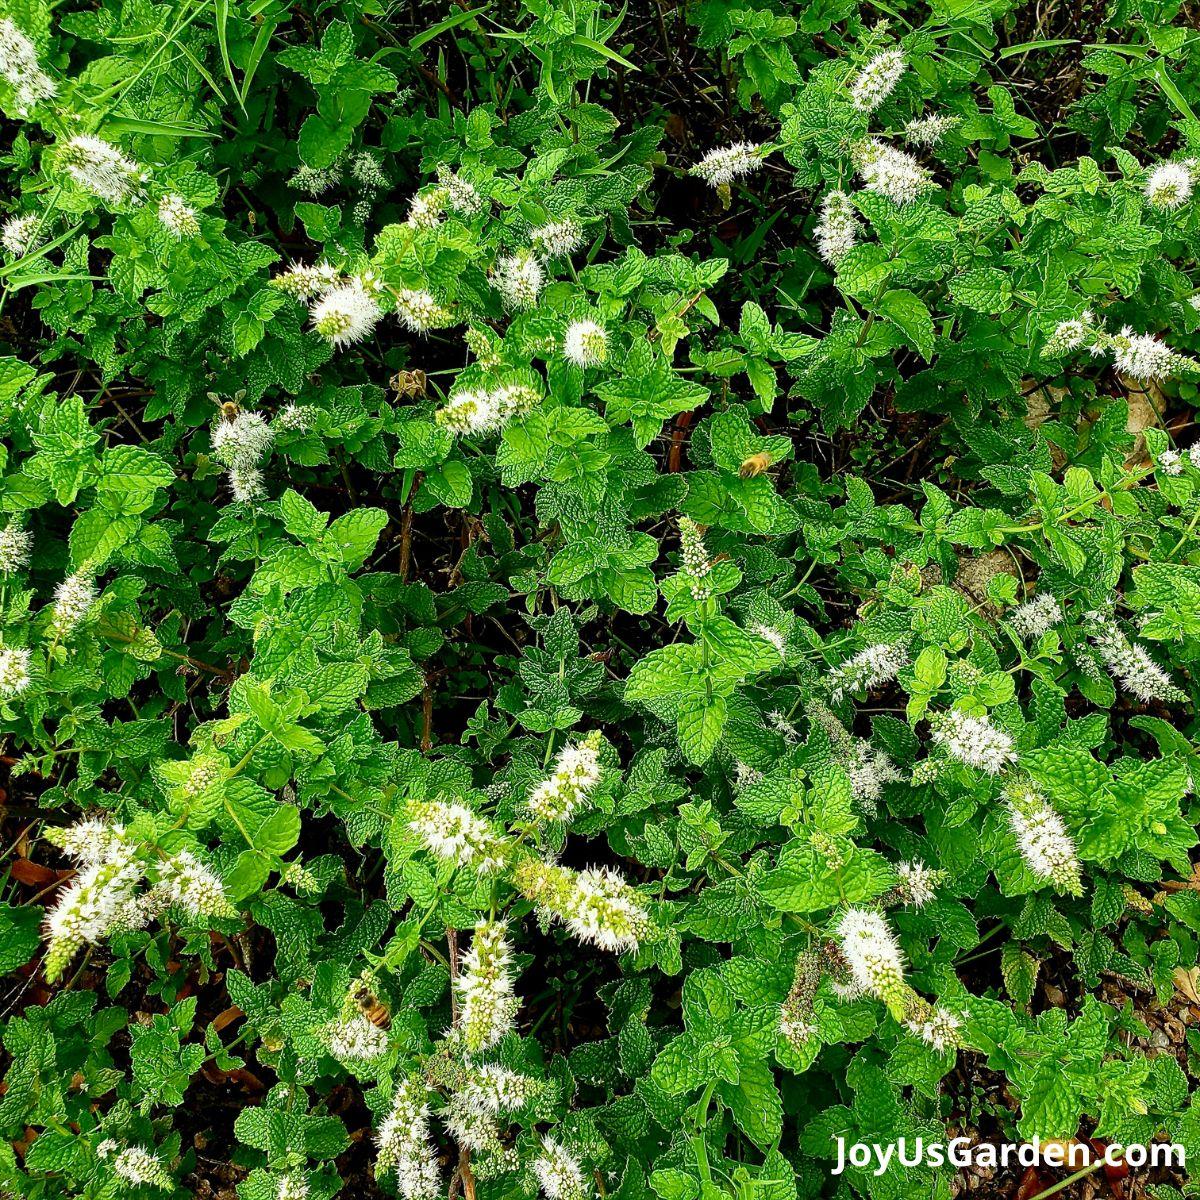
<point x="594" y="598"/>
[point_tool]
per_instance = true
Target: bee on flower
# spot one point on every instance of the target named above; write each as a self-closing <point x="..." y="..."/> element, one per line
<point x="355" y="1039"/>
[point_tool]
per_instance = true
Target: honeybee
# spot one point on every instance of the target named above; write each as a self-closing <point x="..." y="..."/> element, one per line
<point x="372" y="1007"/>
<point x="229" y="408"/>
<point x="409" y="383"/>
<point x="756" y="464"/>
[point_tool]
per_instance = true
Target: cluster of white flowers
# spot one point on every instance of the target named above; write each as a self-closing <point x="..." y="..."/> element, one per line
<point x="292" y="1186"/>
<point x="1129" y="662"/>
<point x="405" y="1145"/>
<point x="485" y="988"/>
<point x="576" y="772"/>
<point x="303" y="283"/>
<point x="918" y="883"/>
<point x="136" y="1165"/>
<point x="938" y="1028"/>
<point x="90" y="907"/>
<point x="878" y="79"/>
<point x="870" y="668"/>
<point x="695" y="566"/>
<point x="597" y="905"/>
<point x="1140" y="356"/>
<point x="20" y="235"/>
<point x="100" y="168"/>
<point x="719" y="168"/>
<point x="1042" y="838"/>
<point x="838" y="226"/>
<point x="16" y="548"/>
<point x="73" y="600"/>
<point x="745" y="776"/>
<point x="519" y="278"/>
<point x="21" y="70"/>
<point x="928" y="131"/>
<point x="186" y="883"/>
<point x="1143" y="357"/>
<point x="585" y="344"/>
<point x="89" y="841"/>
<point x="974" y="741"/>
<point x="356" y="1039"/>
<point x="240" y="443"/>
<point x="420" y="311"/>
<point x="873" y="955"/>
<point x="1170" y="184"/>
<point x="367" y="172"/>
<point x="462" y="196"/>
<point x="890" y="172"/>
<point x="869" y="770"/>
<point x="454" y="832"/>
<point x="14" y="671"/>
<point x="347" y="312"/>
<point x="1035" y="617"/>
<point x="478" y="413"/>
<point x="770" y="634"/>
<point x="471" y="1115"/>
<point x="558" y="1172"/>
<point x="557" y="239"/>
<point x="177" y="216"/>
<point x="426" y="208"/>
<point x="1070" y="334"/>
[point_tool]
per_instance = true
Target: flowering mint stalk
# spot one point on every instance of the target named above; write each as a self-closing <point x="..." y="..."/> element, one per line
<point x="1042" y="838"/>
<point x="557" y="239"/>
<point x="974" y="741"/>
<point x="596" y="905"/>
<point x="14" y="671"/>
<point x="452" y="831"/>
<point x="870" y="668"/>
<point x="347" y="313"/>
<point x="937" y="1027"/>
<point x="194" y="888"/>
<point x="355" y="1039"/>
<point x="89" y="908"/>
<point x="519" y="279"/>
<point x="73" y="600"/>
<point x="485" y="988"/>
<point x="695" y="567"/>
<point x="21" y="234"/>
<point x="928" y="131"/>
<point x="878" y="79"/>
<point x="1035" y="617"/>
<point x="419" y="311"/>
<point x="1170" y="184"/>
<point x="100" y="168"/>
<point x="558" y="1172"/>
<point x="177" y="217"/>
<point x="890" y="172"/>
<point x="1129" y="662"/>
<point x="918" y="883"/>
<point x="719" y="168"/>
<point x="874" y="958"/>
<point x="838" y="227"/>
<point x="585" y="344"/>
<point x="576" y="773"/>
<point x="21" y="70"/>
<point x="405" y="1146"/>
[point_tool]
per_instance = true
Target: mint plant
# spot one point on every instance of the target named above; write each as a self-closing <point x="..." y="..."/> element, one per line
<point x="595" y="601"/>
